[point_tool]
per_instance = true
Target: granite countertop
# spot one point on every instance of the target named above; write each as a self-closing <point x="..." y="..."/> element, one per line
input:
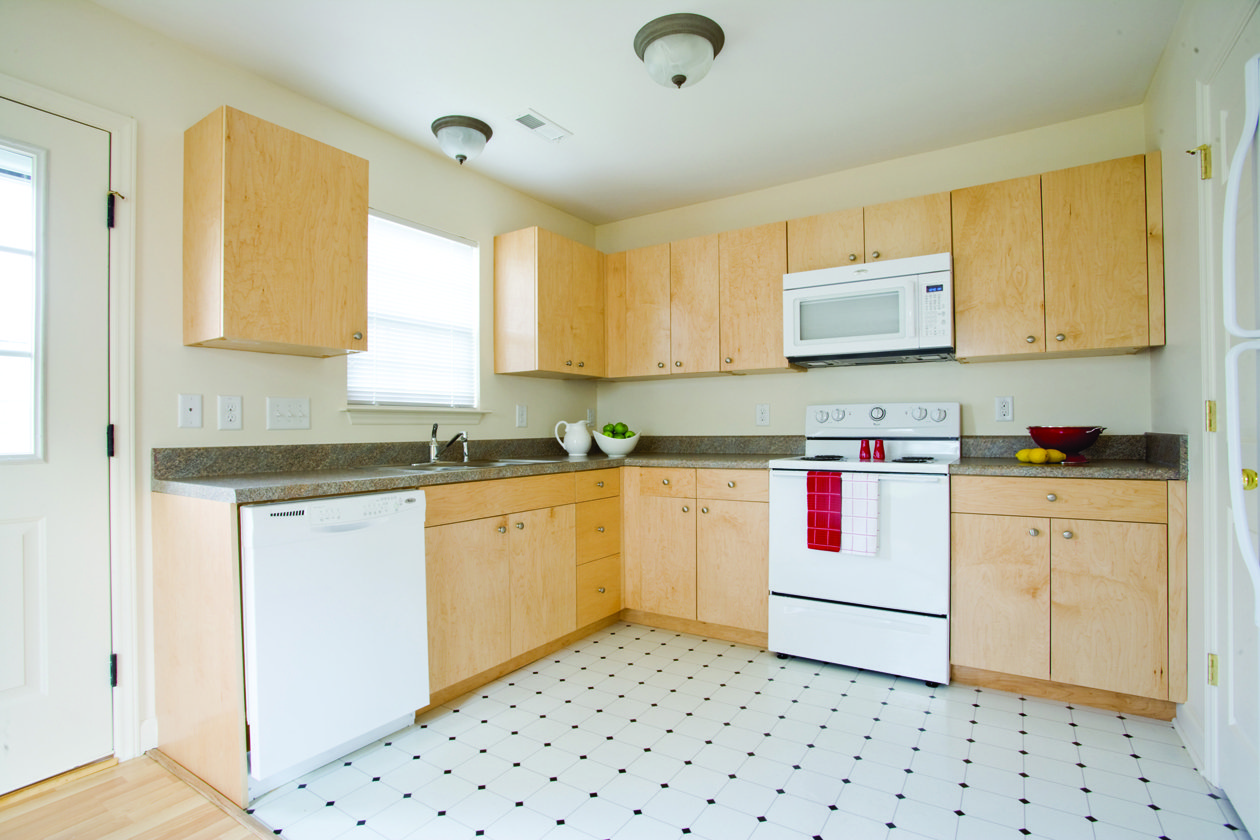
<point x="244" y="475"/>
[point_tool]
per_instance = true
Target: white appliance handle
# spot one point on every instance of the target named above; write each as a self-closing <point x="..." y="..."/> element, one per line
<point x="1233" y="446"/>
<point x="1233" y="184"/>
<point x="914" y="478"/>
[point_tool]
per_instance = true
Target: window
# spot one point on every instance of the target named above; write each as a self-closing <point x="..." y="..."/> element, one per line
<point x="19" y="316"/>
<point x="423" y="291"/>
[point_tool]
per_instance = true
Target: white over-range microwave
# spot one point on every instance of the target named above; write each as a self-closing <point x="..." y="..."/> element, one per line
<point x="891" y="311"/>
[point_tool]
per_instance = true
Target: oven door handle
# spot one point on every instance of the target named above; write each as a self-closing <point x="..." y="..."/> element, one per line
<point x="907" y="479"/>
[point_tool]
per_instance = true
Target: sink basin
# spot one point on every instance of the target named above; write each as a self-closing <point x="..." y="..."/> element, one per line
<point x="448" y="466"/>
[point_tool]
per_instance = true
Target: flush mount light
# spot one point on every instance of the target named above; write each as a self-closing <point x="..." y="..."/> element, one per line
<point x="462" y="138"/>
<point x="678" y="50"/>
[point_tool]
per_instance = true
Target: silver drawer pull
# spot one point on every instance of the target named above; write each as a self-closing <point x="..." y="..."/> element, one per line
<point x="599" y="484"/>
<point x="502" y="529"/>
<point x="686" y="509"/>
<point x="1050" y="497"/>
<point x="1031" y="340"/>
<point x="600" y="590"/>
<point x="677" y="364"/>
<point x="358" y="336"/>
<point x="1060" y="337"/>
<point x="600" y="529"/>
<point x="660" y="364"/>
<point x="1033" y="532"/>
<point x="730" y="484"/>
<point x="704" y="510"/>
<point x="664" y="481"/>
<point x="1067" y="535"/>
<point x="520" y="526"/>
<point x="728" y="360"/>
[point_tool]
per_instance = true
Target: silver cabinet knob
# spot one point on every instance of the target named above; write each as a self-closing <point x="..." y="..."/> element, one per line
<point x="520" y="526"/>
<point x="600" y="590"/>
<point x="599" y="484"/>
<point x="704" y="510"/>
<point x="1031" y="339"/>
<point x="600" y="529"/>
<point x="1060" y="337"/>
<point x="664" y="481"/>
<point x="1033" y="532"/>
<point x="852" y="257"/>
<point x="728" y="360"/>
<point x="1067" y="535"/>
<point x="358" y="336"/>
<point x="569" y="362"/>
<point x="686" y="509"/>
<point x="660" y="364"/>
<point x="730" y="484"/>
<point x="874" y="255"/>
<point x="502" y="529"/>
<point x="581" y="364"/>
<point x="1050" y="497"/>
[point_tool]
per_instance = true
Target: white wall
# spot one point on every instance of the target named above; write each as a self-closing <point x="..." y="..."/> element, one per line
<point x="1112" y="392"/>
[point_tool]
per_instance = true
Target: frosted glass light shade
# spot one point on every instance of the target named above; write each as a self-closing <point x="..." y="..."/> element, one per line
<point x="678" y="50"/>
<point x="462" y="138"/>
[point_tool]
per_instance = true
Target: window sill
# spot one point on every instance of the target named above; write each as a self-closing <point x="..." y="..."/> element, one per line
<point x="401" y="415"/>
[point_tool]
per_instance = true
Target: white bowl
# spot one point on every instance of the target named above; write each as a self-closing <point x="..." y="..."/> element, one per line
<point x="616" y="447"/>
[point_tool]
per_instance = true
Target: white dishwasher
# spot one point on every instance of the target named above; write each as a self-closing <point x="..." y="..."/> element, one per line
<point x="336" y="636"/>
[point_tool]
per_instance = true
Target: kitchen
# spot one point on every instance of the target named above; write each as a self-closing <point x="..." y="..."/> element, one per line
<point x="1128" y="394"/>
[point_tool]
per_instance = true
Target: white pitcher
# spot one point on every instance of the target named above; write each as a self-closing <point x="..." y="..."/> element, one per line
<point x="577" y="438"/>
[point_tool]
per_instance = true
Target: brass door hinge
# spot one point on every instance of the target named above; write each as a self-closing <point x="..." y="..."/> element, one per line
<point x="1214" y="669"/>
<point x="1204" y="151"/>
<point x="1209" y="413"/>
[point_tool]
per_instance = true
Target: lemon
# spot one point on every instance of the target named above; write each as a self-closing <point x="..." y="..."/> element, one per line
<point x="1037" y="456"/>
<point x="1054" y="456"/>
<point x="1023" y="455"/>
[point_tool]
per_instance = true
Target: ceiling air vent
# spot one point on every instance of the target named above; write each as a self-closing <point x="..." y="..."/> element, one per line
<point x="543" y="127"/>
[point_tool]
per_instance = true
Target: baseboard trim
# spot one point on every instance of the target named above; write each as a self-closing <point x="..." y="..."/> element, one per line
<point x="1128" y="704"/>
<point x="721" y="632"/>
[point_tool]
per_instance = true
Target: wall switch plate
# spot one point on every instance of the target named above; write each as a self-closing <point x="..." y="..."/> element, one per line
<point x="190" y="411"/>
<point x="288" y="412"/>
<point x="230" y="413"/>
<point x="1004" y="409"/>
<point x="522" y="416"/>
<point x="763" y="414"/>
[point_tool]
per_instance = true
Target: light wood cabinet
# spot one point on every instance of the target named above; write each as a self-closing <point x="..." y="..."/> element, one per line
<point x="598" y="532"/>
<point x="732" y="563"/>
<point x="275" y="240"/>
<point x="548" y="306"/>
<point x="694" y="308"/>
<point x="1075" y="581"/>
<point x="906" y="228"/>
<point x="543" y="574"/>
<point x="1065" y="263"/>
<point x="751" y="264"/>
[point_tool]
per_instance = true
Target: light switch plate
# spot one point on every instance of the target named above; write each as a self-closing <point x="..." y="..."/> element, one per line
<point x="190" y="411"/>
<point x="522" y="416"/>
<point x="288" y="412"/>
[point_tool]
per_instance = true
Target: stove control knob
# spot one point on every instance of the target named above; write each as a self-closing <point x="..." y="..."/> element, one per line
<point x="878" y="413"/>
<point x="938" y="415"/>
<point x="919" y="413"/>
<point x="838" y="414"/>
<point x="821" y="415"/>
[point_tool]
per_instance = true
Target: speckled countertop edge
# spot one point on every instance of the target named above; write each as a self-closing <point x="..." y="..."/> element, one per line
<point x="310" y="471"/>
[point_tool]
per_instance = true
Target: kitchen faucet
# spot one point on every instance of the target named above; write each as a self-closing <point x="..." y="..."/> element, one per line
<point x="435" y="450"/>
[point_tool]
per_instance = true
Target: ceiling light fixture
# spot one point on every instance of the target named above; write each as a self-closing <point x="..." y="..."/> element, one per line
<point x="462" y="138"/>
<point x="678" y="50"/>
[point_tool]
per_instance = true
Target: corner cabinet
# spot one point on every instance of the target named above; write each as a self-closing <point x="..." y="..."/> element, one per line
<point x="1075" y="582"/>
<point x="275" y="240"/>
<point x="548" y="306"/>
<point x="1068" y="263"/>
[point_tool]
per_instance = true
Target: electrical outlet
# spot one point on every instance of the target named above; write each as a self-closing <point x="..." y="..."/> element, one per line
<point x="522" y="416"/>
<point x="190" y="411"/>
<point x="763" y="414"/>
<point x="1004" y="409"/>
<point x="590" y="416"/>
<point x="230" y="413"/>
<point x="288" y="412"/>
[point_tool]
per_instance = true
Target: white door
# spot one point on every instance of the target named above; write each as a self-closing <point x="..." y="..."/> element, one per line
<point x="1232" y="604"/>
<point x="55" y="695"/>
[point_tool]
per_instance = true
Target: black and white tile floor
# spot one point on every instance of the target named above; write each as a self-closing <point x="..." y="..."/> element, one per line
<point x="641" y="733"/>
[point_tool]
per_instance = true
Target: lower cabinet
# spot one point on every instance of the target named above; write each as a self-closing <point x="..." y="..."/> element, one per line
<point x="1076" y="581"/>
<point x="598" y="533"/>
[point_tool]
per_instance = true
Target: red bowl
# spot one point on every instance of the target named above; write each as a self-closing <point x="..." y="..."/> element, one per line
<point x="1067" y="439"/>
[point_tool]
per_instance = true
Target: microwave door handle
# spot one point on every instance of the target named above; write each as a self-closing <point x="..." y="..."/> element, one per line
<point x="912" y="308"/>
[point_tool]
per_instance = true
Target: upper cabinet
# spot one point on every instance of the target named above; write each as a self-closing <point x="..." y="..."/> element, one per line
<point x="751" y="265"/>
<point x="548" y="306"/>
<point x="275" y="240"/>
<point x="1065" y="263"/>
<point x="889" y="231"/>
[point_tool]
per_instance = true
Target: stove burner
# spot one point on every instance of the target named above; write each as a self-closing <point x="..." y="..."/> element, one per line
<point x="914" y="459"/>
<point x="822" y="458"/>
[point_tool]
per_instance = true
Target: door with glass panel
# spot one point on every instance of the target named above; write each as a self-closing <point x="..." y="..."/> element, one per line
<point x="55" y="681"/>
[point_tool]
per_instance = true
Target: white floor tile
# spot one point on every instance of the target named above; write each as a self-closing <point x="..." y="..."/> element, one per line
<point x="1121" y="812"/>
<point x="721" y="823"/>
<point x="852" y="826"/>
<point x="924" y="819"/>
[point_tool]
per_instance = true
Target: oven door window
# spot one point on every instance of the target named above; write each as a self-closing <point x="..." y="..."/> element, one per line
<point x="874" y="315"/>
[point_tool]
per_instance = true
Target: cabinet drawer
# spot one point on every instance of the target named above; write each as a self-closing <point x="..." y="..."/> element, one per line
<point x="1119" y="500"/>
<point x="735" y="485"/>
<point x="597" y="484"/>
<point x="598" y="529"/>
<point x="598" y="589"/>
<point x="666" y="481"/>
<point x="478" y="499"/>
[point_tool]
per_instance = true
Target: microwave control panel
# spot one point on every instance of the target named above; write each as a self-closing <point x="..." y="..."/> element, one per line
<point x="936" y="306"/>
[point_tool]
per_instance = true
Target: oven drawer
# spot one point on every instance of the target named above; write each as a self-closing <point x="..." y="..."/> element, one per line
<point x="733" y="485"/>
<point x="667" y="481"/>
<point x="1121" y="500"/>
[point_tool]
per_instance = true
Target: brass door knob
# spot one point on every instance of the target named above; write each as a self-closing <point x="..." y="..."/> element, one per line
<point x="1250" y="479"/>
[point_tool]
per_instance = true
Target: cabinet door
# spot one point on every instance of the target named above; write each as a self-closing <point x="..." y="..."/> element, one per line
<point x="907" y="228"/>
<point x="598" y="589"/>
<point x="1109" y="606"/>
<point x="666" y="550"/>
<point x="752" y="264"/>
<point x="826" y="240"/>
<point x="542" y="570"/>
<point x="732" y="563"/>
<point x="647" y="328"/>
<point x="1094" y="219"/>
<point x="466" y="567"/>
<point x="616" y="360"/>
<point x="570" y="307"/>
<point x="1000" y="594"/>
<point x="598" y="528"/>
<point x="693" y="305"/>
<point x="999" y="298"/>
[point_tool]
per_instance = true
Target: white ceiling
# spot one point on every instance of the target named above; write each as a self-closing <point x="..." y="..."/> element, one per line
<point x="802" y="87"/>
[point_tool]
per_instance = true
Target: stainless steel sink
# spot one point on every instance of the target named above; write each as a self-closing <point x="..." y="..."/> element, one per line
<point x="450" y="466"/>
